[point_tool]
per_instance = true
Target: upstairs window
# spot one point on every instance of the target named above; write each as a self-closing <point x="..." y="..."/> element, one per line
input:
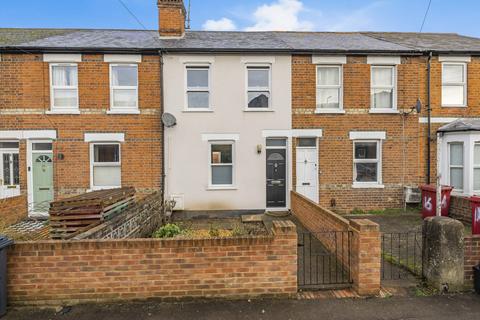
<point x="198" y="88"/>
<point x="64" y="87"/>
<point x="383" y="88"/>
<point x="258" y="87"/>
<point x="329" y="87"/>
<point x="124" y="88"/>
<point x="367" y="162"/>
<point x="456" y="165"/>
<point x="454" y="85"/>
<point x="106" y="170"/>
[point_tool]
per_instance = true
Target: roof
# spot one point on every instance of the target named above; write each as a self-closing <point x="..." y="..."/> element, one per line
<point x="461" y="125"/>
<point x="143" y="40"/>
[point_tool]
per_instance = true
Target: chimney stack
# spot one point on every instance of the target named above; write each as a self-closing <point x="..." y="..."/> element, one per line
<point x="171" y="18"/>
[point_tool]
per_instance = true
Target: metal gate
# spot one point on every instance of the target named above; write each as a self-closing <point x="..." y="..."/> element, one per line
<point x="324" y="260"/>
<point x="402" y="255"/>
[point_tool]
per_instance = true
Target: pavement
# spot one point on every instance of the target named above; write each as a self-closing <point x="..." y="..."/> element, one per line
<point x="458" y="307"/>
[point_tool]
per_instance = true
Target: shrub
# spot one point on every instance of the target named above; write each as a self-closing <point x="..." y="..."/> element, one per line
<point x="168" y="231"/>
<point x="214" y="232"/>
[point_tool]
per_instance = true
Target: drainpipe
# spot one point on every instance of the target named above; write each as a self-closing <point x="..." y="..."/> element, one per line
<point x="162" y="107"/>
<point x="429" y="110"/>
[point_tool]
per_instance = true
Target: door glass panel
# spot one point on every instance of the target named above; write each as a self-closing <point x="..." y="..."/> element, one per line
<point x="42" y="146"/>
<point x="16" y="169"/>
<point x="6" y="169"/>
<point x="276" y="142"/>
<point x="275" y="157"/>
<point x="307" y="142"/>
<point x="8" y="145"/>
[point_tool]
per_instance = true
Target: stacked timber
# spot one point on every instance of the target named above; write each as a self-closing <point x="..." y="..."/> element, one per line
<point x="70" y="216"/>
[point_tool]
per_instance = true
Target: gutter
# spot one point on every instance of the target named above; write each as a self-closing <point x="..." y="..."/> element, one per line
<point x="162" y="109"/>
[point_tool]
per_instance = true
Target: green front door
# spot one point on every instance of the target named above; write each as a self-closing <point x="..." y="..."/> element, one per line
<point x="42" y="181"/>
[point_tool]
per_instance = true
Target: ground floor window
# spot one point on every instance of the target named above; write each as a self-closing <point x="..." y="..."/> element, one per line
<point x="476" y="168"/>
<point x="9" y="169"/>
<point x="455" y="151"/>
<point x="106" y="171"/>
<point x="221" y="164"/>
<point x="367" y="162"/>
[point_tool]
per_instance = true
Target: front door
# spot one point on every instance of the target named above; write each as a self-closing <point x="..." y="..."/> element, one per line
<point x="9" y="170"/>
<point x="307" y="168"/>
<point x="42" y="174"/>
<point x="276" y="178"/>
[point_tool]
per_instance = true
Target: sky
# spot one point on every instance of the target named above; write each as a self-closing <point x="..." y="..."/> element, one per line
<point x="460" y="16"/>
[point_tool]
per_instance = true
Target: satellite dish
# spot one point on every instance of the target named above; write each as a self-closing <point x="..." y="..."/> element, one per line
<point x="169" y="120"/>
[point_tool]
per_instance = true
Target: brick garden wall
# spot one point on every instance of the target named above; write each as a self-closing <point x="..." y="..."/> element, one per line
<point x="12" y="210"/>
<point x="472" y="257"/>
<point x="59" y="273"/>
<point x="460" y="209"/>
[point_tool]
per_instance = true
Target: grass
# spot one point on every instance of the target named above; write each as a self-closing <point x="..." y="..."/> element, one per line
<point x="182" y="231"/>
<point x="388" y="211"/>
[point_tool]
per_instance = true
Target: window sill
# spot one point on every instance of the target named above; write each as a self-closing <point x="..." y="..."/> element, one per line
<point x="454" y="106"/>
<point x="368" y="186"/>
<point x="199" y="110"/>
<point x="259" y="110"/>
<point x="102" y="188"/>
<point x="63" y="111"/>
<point x="380" y="111"/>
<point x="123" y="111"/>
<point x="329" y="111"/>
<point x="220" y="188"/>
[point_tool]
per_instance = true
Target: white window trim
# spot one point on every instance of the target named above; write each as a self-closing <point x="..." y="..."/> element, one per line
<point x="212" y="186"/>
<point x="123" y="110"/>
<point x="256" y="89"/>
<point x="104" y="164"/>
<point x="454" y="58"/>
<point x="384" y="60"/>
<point x="368" y="135"/>
<point x="62" y="110"/>
<point x="476" y="166"/>
<point x="377" y="184"/>
<point x="450" y="166"/>
<point x="393" y="86"/>
<point x="62" y="57"/>
<point x="207" y="66"/>
<point x="122" y="58"/>
<point x="464" y="84"/>
<point x="339" y="87"/>
<point x="329" y="60"/>
<point x="99" y="137"/>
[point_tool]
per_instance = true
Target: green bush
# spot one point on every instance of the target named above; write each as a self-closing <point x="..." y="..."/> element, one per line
<point x="214" y="231"/>
<point x="168" y="231"/>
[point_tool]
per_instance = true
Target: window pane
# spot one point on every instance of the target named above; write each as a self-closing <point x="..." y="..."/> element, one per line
<point x="276" y="142"/>
<point x="198" y="99"/>
<point x="124" y="75"/>
<point x="456" y="154"/>
<point x="328" y="76"/>
<point x="125" y="98"/>
<point x="221" y="153"/>
<point x="8" y="145"/>
<point x="64" y="97"/>
<point x="453" y="95"/>
<point x="452" y="73"/>
<point x="456" y="178"/>
<point x="107" y="176"/>
<point x="64" y="75"/>
<point x="476" y="155"/>
<point x="6" y="169"/>
<point x="307" y="142"/>
<point x="42" y="146"/>
<point x="16" y="169"/>
<point x="476" y="179"/>
<point x="258" y="99"/>
<point x="382" y="98"/>
<point x="197" y="78"/>
<point x="366" y="172"/>
<point x="365" y="150"/>
<point x="222" y="175"/>
<point x="106" y="153"/>
<point x="258" y="78"/>
<point x="328" y="98"/>
<point x="382" y="76"/>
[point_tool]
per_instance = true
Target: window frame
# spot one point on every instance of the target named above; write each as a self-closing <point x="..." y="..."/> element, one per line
<point x="449" y="144"/>
<point x="212" y="186"/>
<point x="455" y="84"/>
<point x="475" y="166"/>
<point x="339" y="86"/>
<point x="94" y="164"/>
<point x="249" y="89"/>
<point x="394" y="88"/>
<point x="378" y="161"/>
<point x="187" y="89"/>
<point x="62" y="109"/>
<point x="120" y="109"/>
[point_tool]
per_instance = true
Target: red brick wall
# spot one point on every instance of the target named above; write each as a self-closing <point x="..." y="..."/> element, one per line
<point x="401" y="163"/>
<point x="58" y="273"/>
<point x="24" y="99"/>
<point x="12" y="210"/>
<point x="460" y="209"/>
<point x="472" y="257"/>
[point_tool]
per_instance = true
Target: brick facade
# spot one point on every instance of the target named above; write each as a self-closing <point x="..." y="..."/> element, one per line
<point x="65" y="273"/>
<point x="461" y="209"/>
<point x="12" y="210"/>
<point x="472" y="257"/>
<point x="401" y="163"/>
<point x="25" y="100"/>
<point x="171" y="17"/>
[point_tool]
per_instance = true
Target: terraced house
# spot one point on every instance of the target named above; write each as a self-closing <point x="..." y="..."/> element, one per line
<point x="348" y="120"/>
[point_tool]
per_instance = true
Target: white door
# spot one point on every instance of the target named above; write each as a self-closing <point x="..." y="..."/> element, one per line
<point x="307" y="168"/>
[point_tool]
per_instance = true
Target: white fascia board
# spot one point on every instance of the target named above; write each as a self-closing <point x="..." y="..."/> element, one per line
<point x="258" y="59"/>
<point x="329" y="59"/>
<point x="61" y="57"/>
<point x="307" y="133"/>
<point x="104" y="137"/>
<point x="220" y="137"/>
<point x="28" y="134"/>
<point x="368" y="135"/>
<point x="454" y="58"/>
<point x="122" y="58"/>
<point x="384" y="60"/>
<point x="200" y="59"/>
